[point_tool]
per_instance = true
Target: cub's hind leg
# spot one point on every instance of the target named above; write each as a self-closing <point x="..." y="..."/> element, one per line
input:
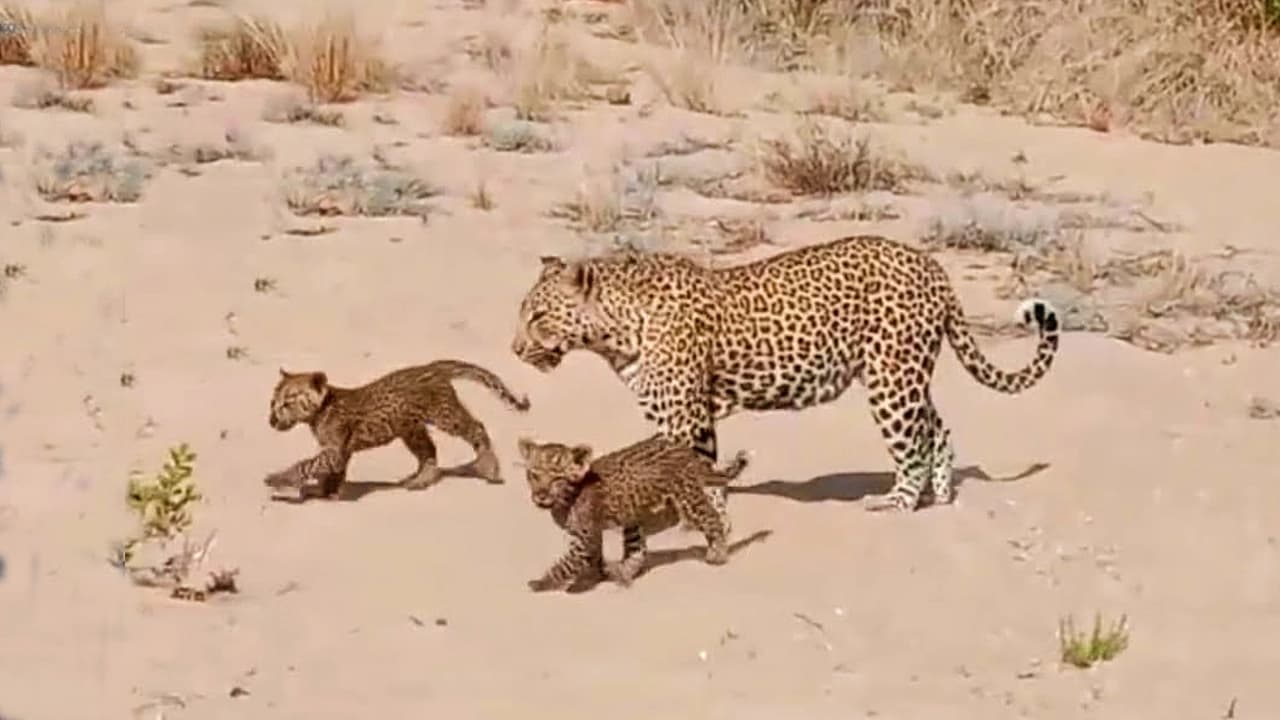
<point x="419" y="442"/>
<point x="700" y="512"/>
<point x="459" y="422"/>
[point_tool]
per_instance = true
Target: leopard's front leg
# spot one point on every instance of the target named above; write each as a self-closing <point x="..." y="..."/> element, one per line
<point x="691" y="423"/>
<point x="584" y="558"/>
<point x="329" y="466"/>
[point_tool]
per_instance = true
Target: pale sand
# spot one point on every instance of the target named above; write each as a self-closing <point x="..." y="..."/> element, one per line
<point x="1142" y="486"/>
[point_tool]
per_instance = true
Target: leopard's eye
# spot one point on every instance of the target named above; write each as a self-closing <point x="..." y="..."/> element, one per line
<point x="537" y="315"/>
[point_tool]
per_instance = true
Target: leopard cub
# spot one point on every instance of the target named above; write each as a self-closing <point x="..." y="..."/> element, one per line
<point x="627" y="489"/>
<point x="401" y="404"/>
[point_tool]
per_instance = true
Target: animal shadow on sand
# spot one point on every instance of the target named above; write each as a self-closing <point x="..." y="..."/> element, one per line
<point x="659" y="558"/>
<point x="852" y="487"/>
<point x="354" y="490"/>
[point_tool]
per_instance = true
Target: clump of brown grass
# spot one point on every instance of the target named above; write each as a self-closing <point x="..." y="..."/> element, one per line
<point x="249" y="47"/>
<point x="17" y="34"/>
<point x="329" y="58"/>
<point x="78" y="44"/>
<point x="823" y="160"/>
<point x="464" y="113"/>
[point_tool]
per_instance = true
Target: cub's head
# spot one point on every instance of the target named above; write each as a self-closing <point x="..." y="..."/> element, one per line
<point x="297" y="398"/>
<point x="553" y="470"/>
<point x="563" y="312"/>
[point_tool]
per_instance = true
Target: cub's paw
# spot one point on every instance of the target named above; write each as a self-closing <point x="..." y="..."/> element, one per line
<point x="542" y="585"/>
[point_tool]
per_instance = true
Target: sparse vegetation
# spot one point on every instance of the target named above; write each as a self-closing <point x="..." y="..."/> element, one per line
<point x="519" y="136"/>
<point x="1082" y="650"/>
<point x="163" y="507"/>
<point x="1171" y="70"/>
<point x="43" y="95"/>
<point x="329" y="58"/>
<point x="824" y="160"/>
<point x="550" y="71"/>
<point x="339" y="185"/>
<point x="77" y="43"/>
<point x="292" y="109"/>
<point x="464" y="114"/>
<point x="234" y="145"/>
<point x="88" y="172"/>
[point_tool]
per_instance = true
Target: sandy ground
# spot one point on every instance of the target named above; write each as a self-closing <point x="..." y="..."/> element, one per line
<point x="1137" y="481"/>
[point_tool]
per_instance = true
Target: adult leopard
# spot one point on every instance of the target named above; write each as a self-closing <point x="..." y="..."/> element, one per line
<point x="787" y="332"/>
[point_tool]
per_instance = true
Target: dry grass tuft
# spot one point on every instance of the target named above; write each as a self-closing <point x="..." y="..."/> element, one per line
<point x="550" y="71"/>
<point x="78" y="44"/>
<point x="464" y="114"/>
<point x="88" y="172"/>
<point x="329" y="58"/>
<point x="18" y="34"/>
<point x="339" y="185"/>
<point x="823" y="160"/>
<point x="250" y="47"/>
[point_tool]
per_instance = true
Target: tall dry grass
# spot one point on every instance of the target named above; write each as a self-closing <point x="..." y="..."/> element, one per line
<point x="329" y="58"/>
<point x="1170" y="70"/>
<point x="78" y="44"/>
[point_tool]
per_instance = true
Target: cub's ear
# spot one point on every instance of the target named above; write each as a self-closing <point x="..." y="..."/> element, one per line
<point x="581" y="455"/>
<point x="319" y="381"/>
<point x="283" y="373"/>
<point x="526" y="447"/>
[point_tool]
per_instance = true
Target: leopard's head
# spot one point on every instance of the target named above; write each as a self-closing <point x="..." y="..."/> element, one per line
<point x="568" y="308"/>
<point x="297" y="398"/>
<point x="554" y="471"/>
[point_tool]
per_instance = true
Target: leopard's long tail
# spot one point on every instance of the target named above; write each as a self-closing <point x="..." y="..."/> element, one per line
<point x="729" y="473"/>
<point x="1037" y="313"/>
<point x="475" y="373"/>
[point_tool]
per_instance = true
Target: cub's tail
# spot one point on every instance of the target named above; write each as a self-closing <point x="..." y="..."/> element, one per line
<point x="475" y="373"/>
<point x="725" y="475"/>
<point x="1036" y="313"/>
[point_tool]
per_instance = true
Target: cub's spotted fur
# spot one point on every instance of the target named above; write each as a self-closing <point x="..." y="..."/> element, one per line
<point x="625" y="489"/>
<point x="400" y="404"/>
<point x="696" y="345"/>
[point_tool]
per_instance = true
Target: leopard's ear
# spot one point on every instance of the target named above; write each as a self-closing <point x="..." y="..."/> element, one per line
<point x="583" y="280"/>
<point x="551" y="264"/>
<point x="283" y="373"/>
<point x="319" y="382"/>
<point x="526" y="447"/>
<point x="581" y="455"/>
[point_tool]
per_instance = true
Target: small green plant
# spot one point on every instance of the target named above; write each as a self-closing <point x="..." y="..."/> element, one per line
<point x="1085" y="650"/>
<point x="161" y="502"/>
